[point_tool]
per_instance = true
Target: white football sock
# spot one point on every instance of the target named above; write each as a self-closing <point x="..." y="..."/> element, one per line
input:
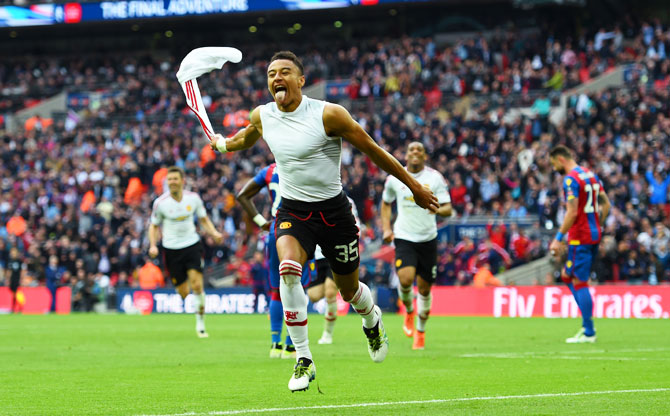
<point x="364" y="305"/>
<point x="199" y="311"/>
<point x="294" y="301"/>
<point x="330" y="316"/>
<point x="406" y="295"/>
<point x="423" y="304"/>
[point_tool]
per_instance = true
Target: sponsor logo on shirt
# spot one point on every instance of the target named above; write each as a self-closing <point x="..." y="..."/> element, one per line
<point x="285" y="225"/>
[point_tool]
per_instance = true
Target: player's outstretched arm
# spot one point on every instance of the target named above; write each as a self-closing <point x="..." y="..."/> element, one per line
<point x="386" y="222"/>
<point x="605" y="206"/>
<point x="338" y="123"/>
<point x="154" y="233"/>
<point x="244" y="197"/>
<point x="243" y="139"/>
<point x="209" y="228"/>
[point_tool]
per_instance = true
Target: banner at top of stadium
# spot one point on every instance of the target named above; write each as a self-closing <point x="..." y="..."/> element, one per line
<point x="68" y="13"/>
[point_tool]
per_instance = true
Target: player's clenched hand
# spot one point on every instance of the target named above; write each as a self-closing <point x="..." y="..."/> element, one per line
<point x="266" y="227"/>
<point x="425" y="198"/>
<point x="388" y="236"/>
<point x="556" y="248"/>
<point x="218" y="237"/>
<point x="153" y="251"/>
<point x="216" y="138"/>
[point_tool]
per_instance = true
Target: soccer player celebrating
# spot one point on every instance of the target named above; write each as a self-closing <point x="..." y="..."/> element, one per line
<point x="415" y="237"/>
<point x="305" y="136"/>
<point x="174" y="211"/>
<point x="268" y="177"/>
<point x="587" y="206"/>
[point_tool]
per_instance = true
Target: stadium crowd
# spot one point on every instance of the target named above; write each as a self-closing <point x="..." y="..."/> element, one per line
<point x="76" y="193"/>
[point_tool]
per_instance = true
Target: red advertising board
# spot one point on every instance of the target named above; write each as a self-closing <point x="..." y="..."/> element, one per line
<point x="36" y="300"/>
<point x="551" y="301"/>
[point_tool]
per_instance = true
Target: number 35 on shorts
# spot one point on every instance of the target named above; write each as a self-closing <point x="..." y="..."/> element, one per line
<point x="347" y="252"/>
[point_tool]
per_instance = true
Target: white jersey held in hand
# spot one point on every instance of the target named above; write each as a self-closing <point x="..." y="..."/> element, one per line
<point x="414" y="223"/>
<point x="176" y="219"/>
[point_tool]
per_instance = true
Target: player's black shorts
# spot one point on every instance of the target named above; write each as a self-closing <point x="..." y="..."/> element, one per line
<point x="183" y="259"/>
<point x="322" y="272"/>
<point x="423" y="256"/>
<point x="329" y="223"/>
<point x="14" y="284"/>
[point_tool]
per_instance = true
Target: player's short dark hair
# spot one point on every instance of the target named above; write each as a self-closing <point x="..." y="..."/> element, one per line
<point x="290" y="56"/>
<point x="417" y="142"/>
<point x="560" y="150"/>
<point x="177" y="169"/>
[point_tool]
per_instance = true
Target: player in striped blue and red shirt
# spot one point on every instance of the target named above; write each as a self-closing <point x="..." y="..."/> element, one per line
<point x="268" y="177"/>
<point x="587" y="206"/>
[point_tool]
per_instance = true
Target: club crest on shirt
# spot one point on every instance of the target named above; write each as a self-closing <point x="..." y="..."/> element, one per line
<point x="284" y="225"/>
<point x="188" y="208"/>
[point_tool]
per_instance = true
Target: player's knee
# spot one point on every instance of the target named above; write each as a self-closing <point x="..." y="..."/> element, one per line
<point x="347" y="294"/>
<point x="197" y="287"/>
<point x="314" y="294"/>
<point x="406" y="277"/>
<point x="183" y="291"/>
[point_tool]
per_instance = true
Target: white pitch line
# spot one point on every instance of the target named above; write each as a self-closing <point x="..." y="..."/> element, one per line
<point x="409" y="402"/>
<point x="558" y="357"/>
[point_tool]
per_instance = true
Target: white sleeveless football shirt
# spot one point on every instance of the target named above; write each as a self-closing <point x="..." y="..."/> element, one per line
<point x="414" y="223"/>
<point x="176" y="219"/>
<point x="308" y="160"/>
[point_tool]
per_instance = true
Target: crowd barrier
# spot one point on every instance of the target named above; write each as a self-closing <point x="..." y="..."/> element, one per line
<point x="620" y="301"/>
<point x="36" y="300"/>
<point x="551" y="301"/>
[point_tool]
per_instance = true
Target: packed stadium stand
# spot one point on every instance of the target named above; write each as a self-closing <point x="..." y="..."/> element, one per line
<point x="77" y="184"/>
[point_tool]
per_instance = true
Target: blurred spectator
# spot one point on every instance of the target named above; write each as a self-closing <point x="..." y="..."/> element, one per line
<point x="259" y="273"/>
<point x="13" y="276"/>
<point x="53" y="276"/>
<point x="484" y="277"/>
<point x="150" y="276"/>
<point x="658" y="186"/>
<point x="381" y="273"/>
<point x="82" y="292"/>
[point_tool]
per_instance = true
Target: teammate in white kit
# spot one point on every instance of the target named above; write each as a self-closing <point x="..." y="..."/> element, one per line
<point x="415" y="237"/>
<point x="173" y="214"/>
<point x="305" y="136"/>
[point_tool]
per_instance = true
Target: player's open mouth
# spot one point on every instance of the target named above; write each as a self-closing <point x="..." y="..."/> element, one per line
<point x="280" y="93"/>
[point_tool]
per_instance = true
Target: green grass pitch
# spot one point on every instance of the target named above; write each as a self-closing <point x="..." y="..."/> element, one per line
<point x="155" y="365"/>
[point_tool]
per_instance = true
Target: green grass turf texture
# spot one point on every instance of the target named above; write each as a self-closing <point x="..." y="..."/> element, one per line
<point x="155" y="365"/>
